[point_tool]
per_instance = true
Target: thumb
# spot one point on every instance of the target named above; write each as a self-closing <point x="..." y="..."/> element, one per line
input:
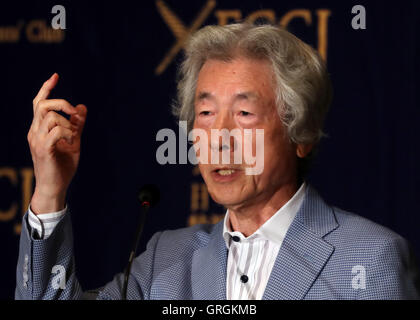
<point x="79" y="119"/>
<point x="81" y="110"/>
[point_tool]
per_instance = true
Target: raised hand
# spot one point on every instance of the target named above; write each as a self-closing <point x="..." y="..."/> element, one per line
<point x="55" y="147"/>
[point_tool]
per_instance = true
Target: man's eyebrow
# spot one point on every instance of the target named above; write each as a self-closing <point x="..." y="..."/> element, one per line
<point x="250" y="95"/>
<point x="204" y="95"/>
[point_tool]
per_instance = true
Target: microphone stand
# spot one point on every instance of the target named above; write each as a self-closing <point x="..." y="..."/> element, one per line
<point x="145" y="205"/>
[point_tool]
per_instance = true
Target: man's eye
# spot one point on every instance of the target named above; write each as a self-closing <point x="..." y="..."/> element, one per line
<point x="244" y="113"/>
<point x="204" y="113"/>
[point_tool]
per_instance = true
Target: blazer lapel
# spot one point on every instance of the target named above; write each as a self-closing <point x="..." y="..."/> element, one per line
<point x="303" y="253"/>
<point x="209" y="264"/>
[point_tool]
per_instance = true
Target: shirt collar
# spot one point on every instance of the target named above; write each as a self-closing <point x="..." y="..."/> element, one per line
<point x="275" y="228"/>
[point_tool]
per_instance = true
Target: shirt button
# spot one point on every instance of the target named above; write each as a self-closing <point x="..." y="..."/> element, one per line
<point x="244" y="278"/>
<point x="236" y="238"/>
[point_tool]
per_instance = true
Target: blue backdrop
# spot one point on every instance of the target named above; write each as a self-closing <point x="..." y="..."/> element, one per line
<point x="116" y="58"/>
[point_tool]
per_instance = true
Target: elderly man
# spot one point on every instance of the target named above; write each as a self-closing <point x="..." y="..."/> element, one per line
<point x="279" y="239"/>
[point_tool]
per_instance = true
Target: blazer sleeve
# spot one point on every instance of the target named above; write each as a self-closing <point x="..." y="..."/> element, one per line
<point x="393" y="273"/>
<point x="46" y="268"/>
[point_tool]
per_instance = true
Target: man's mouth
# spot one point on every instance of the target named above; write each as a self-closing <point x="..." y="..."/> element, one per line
<point x="225" y="174"/>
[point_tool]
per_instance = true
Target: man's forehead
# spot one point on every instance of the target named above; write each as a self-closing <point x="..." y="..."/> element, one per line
<point x="247" y="74"/>
<point x="235" y="66"/>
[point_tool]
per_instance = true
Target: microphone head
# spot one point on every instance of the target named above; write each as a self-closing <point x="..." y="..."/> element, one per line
<point x="149" y="195"/>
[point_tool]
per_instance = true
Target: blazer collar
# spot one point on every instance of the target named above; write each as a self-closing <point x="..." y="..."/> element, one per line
<point x="304" y="252"/>
<point x="209" y="266"/>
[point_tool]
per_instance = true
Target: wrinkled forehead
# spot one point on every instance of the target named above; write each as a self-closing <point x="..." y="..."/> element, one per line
<point x="246" y="77"/>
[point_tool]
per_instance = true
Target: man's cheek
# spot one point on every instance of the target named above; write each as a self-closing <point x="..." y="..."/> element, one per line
<point x="257" y="142"/>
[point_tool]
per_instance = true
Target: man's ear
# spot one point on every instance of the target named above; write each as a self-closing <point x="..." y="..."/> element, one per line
<point x="302" y="150"/>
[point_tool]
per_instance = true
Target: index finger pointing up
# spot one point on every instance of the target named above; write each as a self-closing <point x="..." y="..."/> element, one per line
<point x="45" y="90"/>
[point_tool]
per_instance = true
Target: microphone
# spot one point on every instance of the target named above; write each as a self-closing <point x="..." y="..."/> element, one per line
<point x="148" y="196"/>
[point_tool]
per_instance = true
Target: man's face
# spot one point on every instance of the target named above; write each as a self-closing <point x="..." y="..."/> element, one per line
<point x="240" y="95"/>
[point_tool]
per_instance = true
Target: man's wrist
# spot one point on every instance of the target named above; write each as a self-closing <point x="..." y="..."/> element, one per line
<point x="42" y="203"/>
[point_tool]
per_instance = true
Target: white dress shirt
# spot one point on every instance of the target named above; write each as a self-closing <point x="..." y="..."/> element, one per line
<point x="250" y="259"/>
<point x="45" y="223"/>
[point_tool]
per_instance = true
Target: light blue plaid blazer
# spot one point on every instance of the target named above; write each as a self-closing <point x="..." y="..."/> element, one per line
<point x="316" y="261"/>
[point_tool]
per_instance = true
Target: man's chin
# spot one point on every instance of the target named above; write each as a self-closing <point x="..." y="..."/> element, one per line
<point x="226" y="200"/>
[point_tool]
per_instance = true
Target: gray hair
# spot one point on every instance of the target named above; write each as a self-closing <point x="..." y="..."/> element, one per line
<point x="302" y="84"/>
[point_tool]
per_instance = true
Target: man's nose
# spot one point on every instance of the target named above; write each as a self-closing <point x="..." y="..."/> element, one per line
<point x="223" y="124"/>
<point x="223" y="120"/>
